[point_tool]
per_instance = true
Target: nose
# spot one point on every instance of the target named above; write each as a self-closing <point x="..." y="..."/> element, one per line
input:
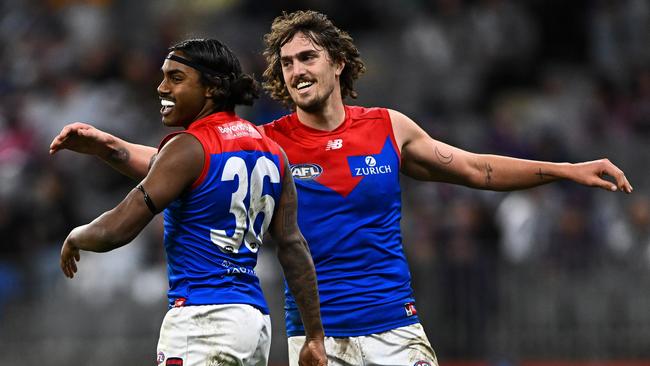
<point x="162" y="87"/>
<point x="298" y="69"/>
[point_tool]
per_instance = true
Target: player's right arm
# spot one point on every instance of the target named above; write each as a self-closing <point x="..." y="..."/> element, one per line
<point x="299" y="270"/>
<point x="130" y="159"/>
<point x="180" y="163"/>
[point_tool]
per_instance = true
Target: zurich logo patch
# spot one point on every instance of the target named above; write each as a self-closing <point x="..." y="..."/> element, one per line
<point x="306" y="171"/>
<point x="368" y="165"/>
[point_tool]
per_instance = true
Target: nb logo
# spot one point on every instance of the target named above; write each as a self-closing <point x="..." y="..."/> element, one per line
<point x="334" y="144"/>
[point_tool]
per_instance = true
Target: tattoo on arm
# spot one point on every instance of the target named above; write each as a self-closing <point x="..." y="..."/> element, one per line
<point x="488" y="174"/>
<point x="543" y="176"/>
<point x="296" y="261"/>
<point x="444" y="159"/>
<point x="301" y="278"/>
<point x="120" y="155"/>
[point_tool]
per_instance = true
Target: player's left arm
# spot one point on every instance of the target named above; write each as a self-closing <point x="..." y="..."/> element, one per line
<point x="178" y="165"/>
<point x="299" y="271"/>
<point x="425" y="158"/>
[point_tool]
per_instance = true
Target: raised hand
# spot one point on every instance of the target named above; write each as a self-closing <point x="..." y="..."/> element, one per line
<point x="593" y="173"/>
<point x="82" y="138"/>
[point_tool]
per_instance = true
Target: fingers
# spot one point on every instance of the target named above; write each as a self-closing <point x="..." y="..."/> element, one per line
<point x="68" y="262"/>
<point x="76" y="128"/>
<point x="621" y="182"/>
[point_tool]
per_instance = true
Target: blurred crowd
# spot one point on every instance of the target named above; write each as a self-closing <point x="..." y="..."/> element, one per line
<point x="560" y="271"/>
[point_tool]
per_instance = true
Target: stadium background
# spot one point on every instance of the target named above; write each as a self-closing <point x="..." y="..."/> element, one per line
<point x="560" y="273"/>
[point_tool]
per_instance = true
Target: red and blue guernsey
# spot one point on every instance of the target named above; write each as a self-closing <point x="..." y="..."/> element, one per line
<point x="214" y="230"/>
<point x="349" y="211"/>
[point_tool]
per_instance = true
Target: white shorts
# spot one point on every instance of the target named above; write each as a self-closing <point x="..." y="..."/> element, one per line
<point x="231" y="334"/>
<point x="405" y="346"/>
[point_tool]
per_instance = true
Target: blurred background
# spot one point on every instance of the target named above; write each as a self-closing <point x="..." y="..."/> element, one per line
<point x="560" y="273"/>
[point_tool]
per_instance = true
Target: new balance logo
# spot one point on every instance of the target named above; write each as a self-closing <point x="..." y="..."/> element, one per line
<point x="334" y="144"/>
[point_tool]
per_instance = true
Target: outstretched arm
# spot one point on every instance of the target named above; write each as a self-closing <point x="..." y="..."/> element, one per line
<point x="179" y="164"/>
<point x="299" y="271"/>
<point x="427" y="159"/>
<point x="127" y="158"/>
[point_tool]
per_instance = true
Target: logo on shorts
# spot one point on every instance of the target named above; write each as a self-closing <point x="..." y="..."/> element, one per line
<point x="179" y="302"/>
<point x="174" y="361"/>
<point x="160" y="358"/>
<point x="410" y="309"/>
<point x="422" y="363"/>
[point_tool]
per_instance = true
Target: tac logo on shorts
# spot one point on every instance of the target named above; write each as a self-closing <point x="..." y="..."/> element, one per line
<point x="306" y="171"/>
<point x="160" y="358"/>
<point x="410" y="309"/>
<point x="174" y="361"/>
<point x="422" y="363"/>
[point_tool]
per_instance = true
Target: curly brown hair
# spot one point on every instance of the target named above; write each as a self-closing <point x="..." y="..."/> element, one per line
<point x="320" y="30"/>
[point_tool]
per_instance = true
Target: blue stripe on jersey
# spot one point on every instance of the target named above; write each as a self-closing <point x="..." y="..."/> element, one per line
<point x="199" y="270"/>
<point x="366" y="282"/>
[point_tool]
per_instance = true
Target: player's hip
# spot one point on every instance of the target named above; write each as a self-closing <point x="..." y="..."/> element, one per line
<point x="405" y="346"/>
<point x="232" y="333"/>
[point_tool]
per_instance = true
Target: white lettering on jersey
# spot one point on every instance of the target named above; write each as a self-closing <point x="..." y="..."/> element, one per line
<point x="372" y="168"/>
<point x="235" y="130"/>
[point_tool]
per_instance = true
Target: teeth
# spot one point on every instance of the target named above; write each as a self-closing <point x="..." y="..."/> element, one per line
<point x="166" y="103"/>
<point x="304" y="84"/>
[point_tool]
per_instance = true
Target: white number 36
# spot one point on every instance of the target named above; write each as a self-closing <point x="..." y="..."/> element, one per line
<point x="245" y="216"/>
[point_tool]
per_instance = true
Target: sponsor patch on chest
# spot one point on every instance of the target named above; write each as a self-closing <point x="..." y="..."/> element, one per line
<point x="233" y="130"/>
<point x="369" y="165"/>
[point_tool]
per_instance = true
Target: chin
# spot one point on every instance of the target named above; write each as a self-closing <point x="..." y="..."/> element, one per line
<point x="311" y="107"/>
<point x="168" y="122"/>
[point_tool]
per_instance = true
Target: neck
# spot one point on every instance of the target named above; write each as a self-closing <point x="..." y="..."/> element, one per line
<point x="206" y="111"/>
<point x="327" y="118"/>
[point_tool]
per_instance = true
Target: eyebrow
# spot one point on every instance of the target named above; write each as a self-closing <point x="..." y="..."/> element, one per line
<point x="172" y="71"/>
<point x="298" y="55"/>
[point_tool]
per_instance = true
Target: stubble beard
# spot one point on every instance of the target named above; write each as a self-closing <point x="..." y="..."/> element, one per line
<point x="314" y="105"/>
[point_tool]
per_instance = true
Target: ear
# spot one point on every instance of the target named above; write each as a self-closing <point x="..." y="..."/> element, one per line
<point x="210" y="91"/>
<point x="339" y="68"/>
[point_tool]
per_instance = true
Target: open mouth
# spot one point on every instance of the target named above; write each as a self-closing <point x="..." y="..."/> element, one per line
<point x="167" y="106"/>
<point x="304" y="85"/>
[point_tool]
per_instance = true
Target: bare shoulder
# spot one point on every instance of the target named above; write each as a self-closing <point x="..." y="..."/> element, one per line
<point x="404" y="128"/>
<point x="184" y="149"/>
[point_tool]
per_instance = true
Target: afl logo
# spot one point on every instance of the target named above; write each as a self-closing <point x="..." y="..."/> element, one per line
<point x="306" y="171"/>
<point x="422" y="363"/>
<point x="370" y="161"/>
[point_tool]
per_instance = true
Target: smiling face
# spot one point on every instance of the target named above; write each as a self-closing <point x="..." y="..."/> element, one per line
<point x="183" y="96"/>
<point x="310" y="75"/>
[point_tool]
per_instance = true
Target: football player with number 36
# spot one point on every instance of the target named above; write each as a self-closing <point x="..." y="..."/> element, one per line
<point x="221" y="184"/>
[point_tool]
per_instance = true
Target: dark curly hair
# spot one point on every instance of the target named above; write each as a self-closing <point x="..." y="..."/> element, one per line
<point x="320" y="30"/>
<point x="233" y="87"/>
